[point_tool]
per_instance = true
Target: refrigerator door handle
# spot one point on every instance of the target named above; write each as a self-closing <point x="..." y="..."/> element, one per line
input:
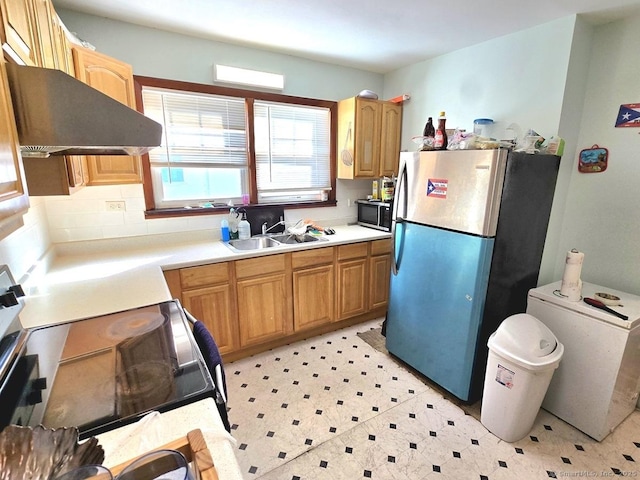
<point x="402" y="177"/>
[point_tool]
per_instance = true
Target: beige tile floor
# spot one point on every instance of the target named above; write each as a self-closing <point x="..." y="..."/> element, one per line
<point x="333" y="407"/>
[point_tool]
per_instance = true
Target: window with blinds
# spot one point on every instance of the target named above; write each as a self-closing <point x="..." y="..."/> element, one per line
<point x="292" y="152"/>
<point x="205" y="156"/>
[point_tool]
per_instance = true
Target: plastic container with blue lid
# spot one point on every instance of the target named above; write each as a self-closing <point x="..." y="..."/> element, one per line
<point x="481" y="126"/>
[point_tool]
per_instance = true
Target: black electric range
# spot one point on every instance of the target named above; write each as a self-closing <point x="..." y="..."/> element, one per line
<point x="98" y="373"/>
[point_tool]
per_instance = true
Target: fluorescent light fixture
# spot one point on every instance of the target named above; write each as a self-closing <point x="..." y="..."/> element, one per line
<point x="243" y="76"/>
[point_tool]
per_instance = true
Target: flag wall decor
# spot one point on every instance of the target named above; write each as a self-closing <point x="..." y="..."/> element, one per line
<point x="629" y="115"/>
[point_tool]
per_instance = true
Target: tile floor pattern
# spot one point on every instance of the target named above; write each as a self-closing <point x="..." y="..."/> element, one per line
<point x="333" y="407"/>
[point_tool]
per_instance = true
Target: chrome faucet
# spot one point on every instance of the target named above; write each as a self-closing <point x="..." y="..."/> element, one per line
<point x="265" y="229"/>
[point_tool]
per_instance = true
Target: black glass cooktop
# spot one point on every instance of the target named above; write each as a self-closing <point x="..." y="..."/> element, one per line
<point x="100" y="373"/>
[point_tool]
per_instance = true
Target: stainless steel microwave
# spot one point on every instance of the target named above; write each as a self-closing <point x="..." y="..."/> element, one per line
<point x="374" y="214"/>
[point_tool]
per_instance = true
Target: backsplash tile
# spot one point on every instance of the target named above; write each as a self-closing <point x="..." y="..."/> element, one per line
<point x="84" y="216"/>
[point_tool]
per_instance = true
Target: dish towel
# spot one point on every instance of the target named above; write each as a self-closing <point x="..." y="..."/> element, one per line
<point x="213" y="360"/>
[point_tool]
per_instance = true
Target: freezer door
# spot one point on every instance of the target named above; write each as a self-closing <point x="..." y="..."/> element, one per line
<point x="458" y="190"/>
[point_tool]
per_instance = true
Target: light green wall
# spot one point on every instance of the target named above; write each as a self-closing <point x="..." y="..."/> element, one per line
<point x="156" y="53"/>
<point x="519" y="78"/>
<point x="602" y="216"/>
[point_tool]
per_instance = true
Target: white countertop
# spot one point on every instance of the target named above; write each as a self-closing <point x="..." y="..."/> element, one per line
<point x="88" y="284"/>
<point x="157" y="429"/>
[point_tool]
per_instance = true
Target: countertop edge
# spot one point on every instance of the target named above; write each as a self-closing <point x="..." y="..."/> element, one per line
<point x="91" y="284"/>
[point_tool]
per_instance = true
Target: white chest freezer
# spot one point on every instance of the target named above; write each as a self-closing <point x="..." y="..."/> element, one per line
<point x="596" y="385"/>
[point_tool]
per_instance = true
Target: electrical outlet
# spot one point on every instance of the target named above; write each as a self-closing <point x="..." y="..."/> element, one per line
<point x="348" y="202"/>
<point x="116" y="206"/>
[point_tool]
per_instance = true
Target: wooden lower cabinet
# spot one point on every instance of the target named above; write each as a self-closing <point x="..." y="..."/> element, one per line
<point x="262" y="309"/>
<point x="208" y="293"/>
<point x="352" y="291"/>
<point x="352" y="280"/>
<point x="313" y="288"/>
<point x="215" y="307"/>
<point x="264" y="299"/>
<point x="257" y="303"/>
<point x="313" y="297"/>
<point x="379" y="272"/>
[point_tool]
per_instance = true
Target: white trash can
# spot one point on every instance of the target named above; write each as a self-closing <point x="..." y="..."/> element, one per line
<point x="523" y="354"/>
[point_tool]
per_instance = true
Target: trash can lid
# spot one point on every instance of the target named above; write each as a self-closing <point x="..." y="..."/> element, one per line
<point x="524" y="337"/>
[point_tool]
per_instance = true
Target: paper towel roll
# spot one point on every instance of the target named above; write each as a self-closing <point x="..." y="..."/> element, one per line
<point x="571" y="286"/>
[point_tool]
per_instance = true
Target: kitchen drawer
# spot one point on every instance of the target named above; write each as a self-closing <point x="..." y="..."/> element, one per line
<point x="260" y="266"/>
<point x="204" y="275"/>
<point x="353" y="250"/>
<point x="309" y="258"/>
<point x="379" y="247"/>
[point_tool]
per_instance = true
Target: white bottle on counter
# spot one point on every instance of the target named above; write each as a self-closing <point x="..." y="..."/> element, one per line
<point x="244" y="227"/>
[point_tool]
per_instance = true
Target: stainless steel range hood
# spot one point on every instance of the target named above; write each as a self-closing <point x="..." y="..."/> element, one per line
<point x="57" y="114"/>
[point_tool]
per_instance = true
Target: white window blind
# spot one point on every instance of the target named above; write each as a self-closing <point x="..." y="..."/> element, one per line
<point x="203" y="156"/>
<point x="197" y="128"/>
<point x="292" y="152"/>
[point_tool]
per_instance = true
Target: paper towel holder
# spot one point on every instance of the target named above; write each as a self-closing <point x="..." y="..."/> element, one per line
<point x="571" y="285"/>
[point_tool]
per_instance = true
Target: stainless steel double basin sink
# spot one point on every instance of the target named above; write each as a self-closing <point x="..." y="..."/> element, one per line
<point x="260" y="242"/>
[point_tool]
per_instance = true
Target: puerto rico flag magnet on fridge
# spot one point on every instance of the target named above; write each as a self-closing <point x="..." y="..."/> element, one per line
<point x="437" y="187"/>
<point x="629" y="115"/>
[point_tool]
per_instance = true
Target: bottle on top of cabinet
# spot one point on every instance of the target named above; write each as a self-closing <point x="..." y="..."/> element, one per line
<point x="440" y="140"/>
<point x="429" y="134"/>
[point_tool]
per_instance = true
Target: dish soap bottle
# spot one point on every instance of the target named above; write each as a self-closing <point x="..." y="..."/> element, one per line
<point x="244" y="227"/>
<point x="224" y="230"/>
<point x="440" y="140"/>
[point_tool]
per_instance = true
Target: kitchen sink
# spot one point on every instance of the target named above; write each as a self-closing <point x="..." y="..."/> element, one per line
<point x="287" y="238"/>
<point x="254" y="243"/>
<point x="260" y="242"/>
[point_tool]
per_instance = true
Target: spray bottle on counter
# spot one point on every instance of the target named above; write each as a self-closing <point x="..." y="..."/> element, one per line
<point x="233" y="224"/>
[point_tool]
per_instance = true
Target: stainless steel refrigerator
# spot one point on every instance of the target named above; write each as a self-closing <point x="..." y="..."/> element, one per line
<point x="469" y="229"/>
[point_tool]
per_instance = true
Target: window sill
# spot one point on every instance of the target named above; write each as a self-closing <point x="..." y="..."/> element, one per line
<point x="195" y="211"/>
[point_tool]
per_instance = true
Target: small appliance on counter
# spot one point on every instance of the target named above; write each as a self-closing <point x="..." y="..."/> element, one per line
<point x="596" y="385"/>
<point x="374" y="214"/>
<point x="100" y="373"/>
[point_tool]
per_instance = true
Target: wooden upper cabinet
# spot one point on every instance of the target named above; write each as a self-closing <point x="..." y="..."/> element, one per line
<point x="391" y="131"/>
<point x="14" y="201"/>
<point x="368" y="138"/>
<point x="63" y="54"/>
<point x="18" y="38"/>
<point x="114" y="78"/>
<point x="43" y="30"/>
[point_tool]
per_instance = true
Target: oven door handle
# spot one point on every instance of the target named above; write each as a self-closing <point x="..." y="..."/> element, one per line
<point x="205" y="341"/>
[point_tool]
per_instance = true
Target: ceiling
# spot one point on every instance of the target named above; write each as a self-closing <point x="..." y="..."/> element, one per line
<point x="373" y="35"/>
